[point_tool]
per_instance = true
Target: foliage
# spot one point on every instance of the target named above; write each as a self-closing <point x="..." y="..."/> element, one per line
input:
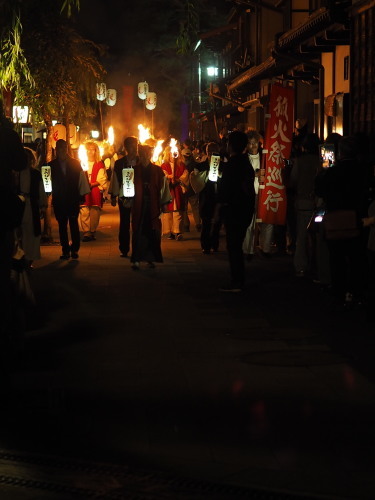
<point x="188" y="35"/>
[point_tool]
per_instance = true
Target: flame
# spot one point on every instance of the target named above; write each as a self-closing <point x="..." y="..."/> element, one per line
<point x="173" y="146"/>
<point x="144" y="133"/>
<point x="111" y="136"/>
<point x="82" y="155"/>
<point x="157" y="150"/>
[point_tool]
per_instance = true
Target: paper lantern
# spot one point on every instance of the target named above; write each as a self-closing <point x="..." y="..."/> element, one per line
<point x="142" y="90"/>
<point x="128" y="182"/>
<point x="151" y="100"/>
<point x="20" y="114"/>
<point x="214" y="168"/>
<point x="72" y="133"/>
<point x="58" y="132"/>
<point x="46" y="176"/>
<point x="111" y="97"/>
<point x="101" y="91"/>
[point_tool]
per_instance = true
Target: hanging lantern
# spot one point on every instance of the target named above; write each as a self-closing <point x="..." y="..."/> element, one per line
<point x="128" y="182"/>
<point x="151" y="100"/>
<point x="72" y="133"/>
<point x="58" y="132"/>
<point x="214" y="168"/>
<point x="47" y="180"/>
<point x="142" y="90"/>
<point x="101" y="91"/>
<point x="111" y="97"/>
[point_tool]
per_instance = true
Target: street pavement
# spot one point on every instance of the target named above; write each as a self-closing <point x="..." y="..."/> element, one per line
<point x="153" y="384"/>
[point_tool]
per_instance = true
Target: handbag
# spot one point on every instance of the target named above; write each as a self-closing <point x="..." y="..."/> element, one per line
<point x="341" y="225"/>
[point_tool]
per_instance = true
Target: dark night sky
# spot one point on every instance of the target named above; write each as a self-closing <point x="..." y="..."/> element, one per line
<point x="140" y="37"/>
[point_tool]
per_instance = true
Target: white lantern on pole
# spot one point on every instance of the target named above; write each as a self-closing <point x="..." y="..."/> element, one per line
<point x="142" y="90"/>
<point x="101" y="91"/>
<point x="151" y="100"/>
<point x="128" y="182"/>
<point x="214" y="168"/>
<point x="46" y="176"/>
<point x="111" y="97"/>
<point x="72" y="133"/>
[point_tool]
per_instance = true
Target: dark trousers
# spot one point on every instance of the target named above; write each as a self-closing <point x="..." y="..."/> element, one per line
<point x="74" y="233"/>
<point x="210" y="234"/>
<point x="348" y="267"/>
<point x="235" y="235"/>
<point x="124" y="229"/>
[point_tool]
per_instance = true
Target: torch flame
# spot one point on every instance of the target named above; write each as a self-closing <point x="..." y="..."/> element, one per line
<point x="111" y="136"/>
<point x="173" y="146"/>
<point x="144" y="133"/>
<point x="157" y="150"/>
<point x="82" y="155"/>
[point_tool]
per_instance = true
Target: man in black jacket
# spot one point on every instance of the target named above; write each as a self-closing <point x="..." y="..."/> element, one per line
<point x="237" y="199"/>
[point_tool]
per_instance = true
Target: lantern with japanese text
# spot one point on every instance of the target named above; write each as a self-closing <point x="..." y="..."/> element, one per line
<point x="214" y="168"/>
<point x="151" y="100"/>
<point x="142" y="90"/>
<point x="72" y="133"/>
<point x="58" y="132"/>
<point x="128" y="182"/>
<point x="111" y="97"/>
<point x="101" y="91"/>
<point x="46" y="176"/>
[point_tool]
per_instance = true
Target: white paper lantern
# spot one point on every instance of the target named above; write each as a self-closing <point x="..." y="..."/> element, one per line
<point x="72" y="133"/>
<point x="142" y="90"/>
<point x="47" y="180"/>
<point x="111" y="97"/>
<point x="58" y="132"/>
<point x="101" y="91"/>
<point x="128" y="182"/>
<point x="151" y="100"/>
<point x="214" y="168"/>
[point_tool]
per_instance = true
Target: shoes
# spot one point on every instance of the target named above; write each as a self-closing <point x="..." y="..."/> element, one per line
<point x="151" y="265"/>
<point x="300" y="274"/>
<point x="74" y="255"/>
<point x="124" y="255"/>
<point x="65" y="256"/>
<point x="231" y="288"/>
<point x="135" y="266"/>
<point x="87" y="238"/>
<point x="206" y="252"/>
<point x="171" y="237"/>
<point x="178" y="236"/>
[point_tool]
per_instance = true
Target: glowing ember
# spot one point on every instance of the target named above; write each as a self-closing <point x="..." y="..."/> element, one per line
<point x="82" y="155"/>
<point x="144" y="133"/>
<point x="173" y="146"/>
<point x="157" y="150"/>
<point x="111" y="136"/>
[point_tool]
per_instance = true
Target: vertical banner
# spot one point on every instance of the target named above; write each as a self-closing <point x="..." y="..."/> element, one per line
<point x="128" y="96"/>
<point x="278" y="143"/>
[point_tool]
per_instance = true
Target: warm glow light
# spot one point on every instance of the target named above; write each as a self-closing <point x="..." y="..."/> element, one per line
<point x="173" y="146"/>
<point x="95" y="134"/>
<point x="157" y="150"/>
<point x="101" y="151"/>
<point x="144" y="133"/>
<point x="111" y="136"/>
<point x="82" y="155"/>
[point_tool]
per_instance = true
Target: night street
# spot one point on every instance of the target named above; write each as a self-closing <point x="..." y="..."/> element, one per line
<point x="153" y="384"/>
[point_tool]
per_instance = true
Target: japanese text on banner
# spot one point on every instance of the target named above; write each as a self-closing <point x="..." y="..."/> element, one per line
<point x="272" y="196"/>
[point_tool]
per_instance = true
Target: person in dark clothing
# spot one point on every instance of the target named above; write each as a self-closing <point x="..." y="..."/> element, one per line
<point x="343" y="187"/>
<point x="69" y="184"/>
<point x="237" y="199"/>
<point x="117" y="195"/>
<point x="208" y="192"/>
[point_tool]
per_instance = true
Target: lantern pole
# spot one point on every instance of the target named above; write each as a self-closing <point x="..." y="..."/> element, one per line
<point x="101" y="118"/>
<point x="152" y="122"/>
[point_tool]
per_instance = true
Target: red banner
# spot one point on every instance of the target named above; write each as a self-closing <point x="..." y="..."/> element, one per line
<point x="277" y="147"/>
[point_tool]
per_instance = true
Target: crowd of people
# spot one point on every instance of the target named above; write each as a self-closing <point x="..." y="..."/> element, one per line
<point x="319" y="192"/>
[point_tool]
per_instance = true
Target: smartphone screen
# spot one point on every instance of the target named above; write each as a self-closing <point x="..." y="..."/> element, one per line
<point x="327" y="154"/>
